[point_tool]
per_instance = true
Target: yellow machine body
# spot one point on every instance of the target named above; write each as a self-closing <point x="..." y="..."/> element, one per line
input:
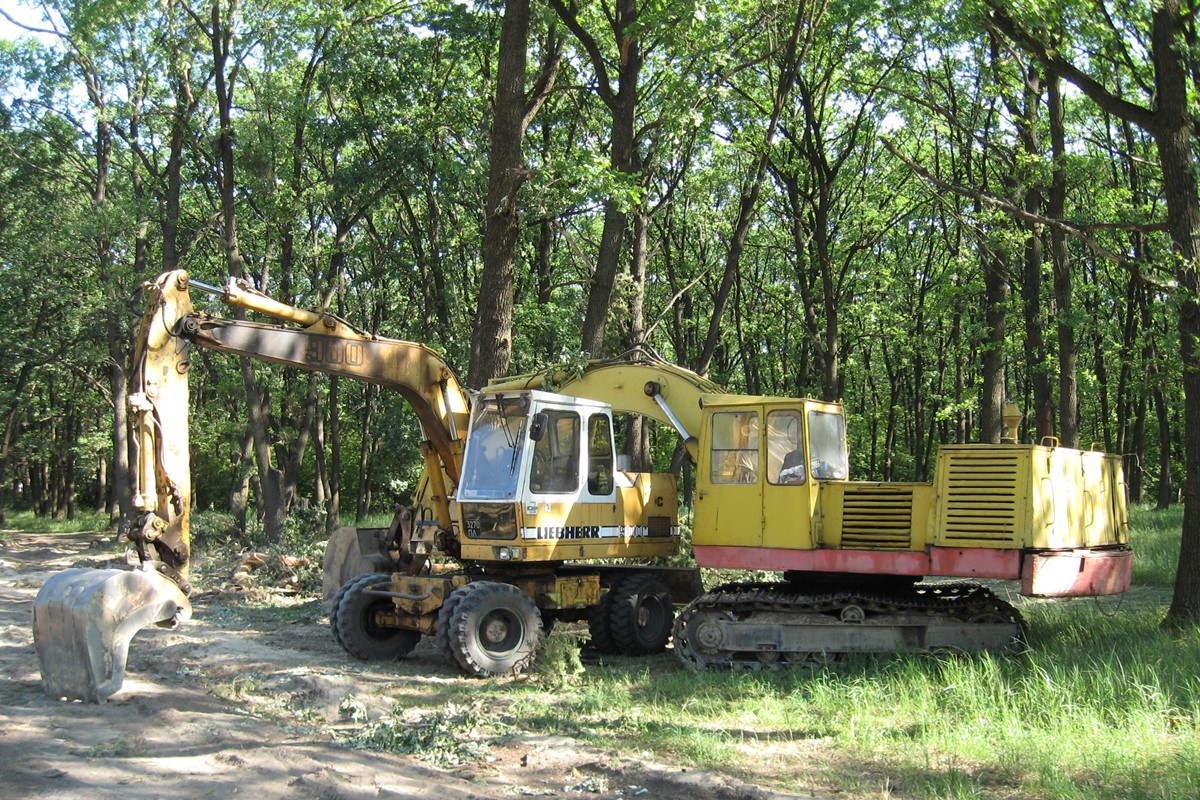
<point x="1054" y="517"/>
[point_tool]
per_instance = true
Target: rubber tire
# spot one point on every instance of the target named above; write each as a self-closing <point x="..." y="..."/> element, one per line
<point x="441" y="636"/>
<point x="334" y="604"/>
<point x="641" y="615"/>
<point x="509" y="613"/>
<point x="599" y="625"/>
<point x="356" y="631"/>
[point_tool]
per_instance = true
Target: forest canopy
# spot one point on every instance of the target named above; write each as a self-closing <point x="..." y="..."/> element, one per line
<point x="923" y="211"/>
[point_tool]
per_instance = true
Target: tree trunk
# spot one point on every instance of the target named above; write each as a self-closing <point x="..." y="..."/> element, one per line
<point x="993" y="392"/>
<point x="11" y="418"/>
<point x="101" y="503"/>
<point x="333" y="496"/>
<point x="363" y="508"/>
<point x="239" y="487"/>
<point x="1173" y="138"/>
<point x="624" y="158"/>
<point x="1064" y="303"/>
<point x="637" y="433"/>
<point x="1037" y="362"/>
<point x="272" y="509"/>
<point x="491" y="336"/>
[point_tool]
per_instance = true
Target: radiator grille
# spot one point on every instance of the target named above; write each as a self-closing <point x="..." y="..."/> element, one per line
<point x="877" y="517"/>
<point x="659" y="526"/>
<point x="980" y="496"/>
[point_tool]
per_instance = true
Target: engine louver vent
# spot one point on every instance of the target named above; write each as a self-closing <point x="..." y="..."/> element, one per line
<point x="980" y="500"/>
<point x="877" y="517"/>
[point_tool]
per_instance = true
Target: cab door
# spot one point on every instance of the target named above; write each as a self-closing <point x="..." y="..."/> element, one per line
<point x="789" y="485"/>
<point x="728" y="487"/>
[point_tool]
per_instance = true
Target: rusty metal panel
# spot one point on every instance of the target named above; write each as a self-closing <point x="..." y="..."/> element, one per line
<point x="1080" y="573"/>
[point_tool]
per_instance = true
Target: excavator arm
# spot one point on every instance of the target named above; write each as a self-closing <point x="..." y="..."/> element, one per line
<point x="84" y="619"/>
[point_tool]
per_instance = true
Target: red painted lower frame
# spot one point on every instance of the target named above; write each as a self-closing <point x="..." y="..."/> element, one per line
<point x="1093" y="572"/>
<point x="1077" y="573"/>
<point x="945" y="561"/>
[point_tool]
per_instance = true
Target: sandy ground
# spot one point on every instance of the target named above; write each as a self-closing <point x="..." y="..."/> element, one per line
<point x="165" y="735"/>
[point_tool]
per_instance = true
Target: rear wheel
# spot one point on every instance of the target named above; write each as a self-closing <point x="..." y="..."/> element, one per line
<point x="357" y="629"/>
<point x="640" y="614"/>
<point x="599" y="626"/>
<point x="493" y="629"/>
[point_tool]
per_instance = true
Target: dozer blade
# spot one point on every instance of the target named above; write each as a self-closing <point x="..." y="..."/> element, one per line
<point x="84" y="619"/>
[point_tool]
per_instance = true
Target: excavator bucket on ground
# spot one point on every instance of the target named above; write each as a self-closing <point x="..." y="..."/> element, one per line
<point x="84" y="619"/>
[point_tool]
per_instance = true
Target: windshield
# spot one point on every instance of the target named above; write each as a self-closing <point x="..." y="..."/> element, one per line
<point x="497" y="434"/>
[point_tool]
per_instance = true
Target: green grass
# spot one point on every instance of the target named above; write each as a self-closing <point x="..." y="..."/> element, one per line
<point x="1154" y="536"/>
<point x="27" y="521"/>
<point x="1100" y="707"/>
<point x="1103" y="705"/>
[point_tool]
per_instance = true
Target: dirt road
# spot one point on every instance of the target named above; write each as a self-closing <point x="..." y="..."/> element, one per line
<point x="181" y="728"/>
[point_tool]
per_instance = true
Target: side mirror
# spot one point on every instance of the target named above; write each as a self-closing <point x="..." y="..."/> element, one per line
<point x="537" y="426"/>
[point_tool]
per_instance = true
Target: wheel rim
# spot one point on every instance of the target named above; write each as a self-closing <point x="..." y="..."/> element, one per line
<point x="491" y="628"/>
<point x="707" y="636"/>
<point x="650" y="618"/>
<point x="500" y="632"/>
<point x="372" y="628"/>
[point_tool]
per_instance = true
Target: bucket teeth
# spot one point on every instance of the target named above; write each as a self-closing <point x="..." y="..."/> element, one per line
<point x="84" y="619"/>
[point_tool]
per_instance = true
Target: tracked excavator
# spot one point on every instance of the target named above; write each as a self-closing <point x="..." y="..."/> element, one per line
<point x="523" y="517"/>
<point x="865" y="566"/>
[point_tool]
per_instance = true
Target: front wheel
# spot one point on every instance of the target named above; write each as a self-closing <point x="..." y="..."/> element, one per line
<point x="492" y="629"/>
<point x="355" y="625"/>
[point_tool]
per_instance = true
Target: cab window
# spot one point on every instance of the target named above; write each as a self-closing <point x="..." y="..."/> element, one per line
<point x="734" y="447"/>
<point x="827" y="446"/>
<point x="785" y="449"/>
<point x="556" y="455"/>
<point x="600" y="455"/>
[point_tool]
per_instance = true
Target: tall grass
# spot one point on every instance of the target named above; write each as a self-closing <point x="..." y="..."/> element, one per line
<point x="1103" y="705"/>
<point x="1099" y="707"/>
<point x="1154" y="536"/>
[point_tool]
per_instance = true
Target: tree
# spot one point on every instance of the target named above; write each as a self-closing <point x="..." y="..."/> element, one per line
<point x="491" y="336"/>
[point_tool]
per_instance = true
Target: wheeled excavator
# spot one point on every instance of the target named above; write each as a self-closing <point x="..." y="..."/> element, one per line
<point x="523" y="511"/>
<point x="451" y="565"/>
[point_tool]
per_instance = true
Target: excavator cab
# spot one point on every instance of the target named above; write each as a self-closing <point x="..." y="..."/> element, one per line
<point x="540" y="484"/>
<point x="768" y="454"/>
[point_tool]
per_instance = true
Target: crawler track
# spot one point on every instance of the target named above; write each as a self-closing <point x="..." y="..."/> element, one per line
<point x="764" y="624"/>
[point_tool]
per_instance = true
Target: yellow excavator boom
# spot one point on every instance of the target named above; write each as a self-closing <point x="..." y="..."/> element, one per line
<point x="634" y="383"/>
<point x="84" y="619"/>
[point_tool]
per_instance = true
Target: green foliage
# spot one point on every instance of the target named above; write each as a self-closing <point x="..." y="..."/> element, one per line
<point x="352" y="709"/>
<point x="214" y="532"/>
<point x="440" y="737"/>
<point x="558" y="664"/>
